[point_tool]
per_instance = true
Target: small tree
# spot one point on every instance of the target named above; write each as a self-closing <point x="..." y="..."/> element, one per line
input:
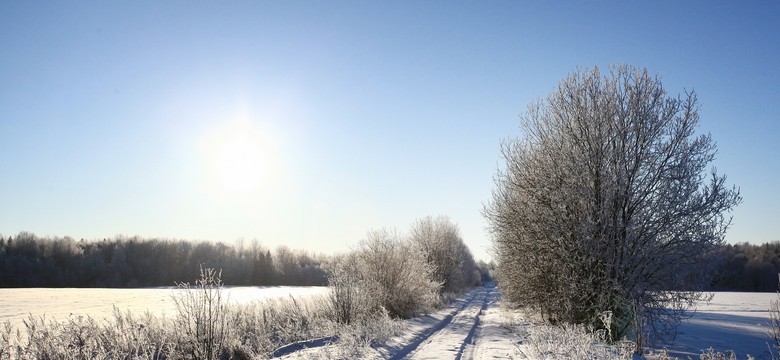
<point x="605" y="204"/>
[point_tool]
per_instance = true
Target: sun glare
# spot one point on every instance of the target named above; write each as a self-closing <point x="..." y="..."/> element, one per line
<point x="239" y="164"/>
<point x="238" y="161"/>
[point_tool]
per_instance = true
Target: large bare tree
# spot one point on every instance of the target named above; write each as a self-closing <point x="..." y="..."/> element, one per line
<point x="608" y="203"/>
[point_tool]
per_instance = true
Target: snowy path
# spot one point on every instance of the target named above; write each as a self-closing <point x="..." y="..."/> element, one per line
<point x="477" y="331"/>
<point x="494" y="338"/>
<point x="477" y="326"/>
<point x="451" y="341"/>
<point x="473" y="327"/>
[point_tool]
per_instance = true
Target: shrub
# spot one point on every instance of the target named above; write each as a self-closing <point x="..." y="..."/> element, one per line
<point x="569" y="341"/>
<point x="346" y="298"/>
<point x="384" y="273"/>
<point x="201" y="315"/>
<point x="263" y="326"/>
<point x="450" y="259"/>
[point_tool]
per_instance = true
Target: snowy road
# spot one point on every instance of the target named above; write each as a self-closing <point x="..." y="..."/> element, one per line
<point x="494" y="337"/>
<point x="473" y="327"/>
<point x="476" y="326"/>
<point x="451" y="341"/>
<point x="477" y="331"/>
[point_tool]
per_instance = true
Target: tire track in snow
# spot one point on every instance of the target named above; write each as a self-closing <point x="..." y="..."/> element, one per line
<point x="471" y="339"/>
<point x="451" y="339"/>
<point x="398" y="347"/>
<point x="495" y="336"/>
<point x="410" y="346"/>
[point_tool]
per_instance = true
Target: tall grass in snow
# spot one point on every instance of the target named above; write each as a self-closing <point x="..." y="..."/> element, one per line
<point x="202" y="316"/>
<point x="204" y="327"/>
<point x="262" y="327"/>
<point x="571" y="342"/>
<point x="125" y="336"/>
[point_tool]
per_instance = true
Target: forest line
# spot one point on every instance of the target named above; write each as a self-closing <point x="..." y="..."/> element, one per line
<point x="27" y="260"/>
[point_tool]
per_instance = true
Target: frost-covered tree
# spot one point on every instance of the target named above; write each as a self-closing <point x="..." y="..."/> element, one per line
<point x="451" y="260"/>
<point x="607" y="203"/>
<point x="385" y="273"/>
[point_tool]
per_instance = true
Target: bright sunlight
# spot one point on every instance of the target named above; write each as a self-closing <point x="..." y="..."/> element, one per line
<point x="239" y="164"/>
<point x="238" y="160"/>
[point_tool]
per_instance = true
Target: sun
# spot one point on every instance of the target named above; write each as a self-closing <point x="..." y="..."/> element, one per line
<point x="239" y="164"/>
<point x="238" y="160"/>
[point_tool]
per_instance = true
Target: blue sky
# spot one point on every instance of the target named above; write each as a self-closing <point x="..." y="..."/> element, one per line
<point x="339" y="117"/>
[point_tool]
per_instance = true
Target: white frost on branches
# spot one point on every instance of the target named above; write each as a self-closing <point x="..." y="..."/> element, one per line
<point x="606" y="203"/>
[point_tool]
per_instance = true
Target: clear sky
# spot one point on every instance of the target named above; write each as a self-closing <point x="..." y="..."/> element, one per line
<point x="307" y="123"/>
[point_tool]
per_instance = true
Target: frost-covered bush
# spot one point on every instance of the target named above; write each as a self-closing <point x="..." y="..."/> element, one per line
<point x="385" y="273"/>
<point x="708" y="354"/>
<point x="450" y="259"/>
<point x="569" y="341"/>
<point x="261" y="327"/>
<point x="201" y="315"/>
<point x="81" y="337"/>
<point x="348" y="298"/>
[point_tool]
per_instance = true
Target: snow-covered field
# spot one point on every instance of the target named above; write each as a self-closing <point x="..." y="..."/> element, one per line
<point x="59" y="304"/>
<point x="735" y="321"/>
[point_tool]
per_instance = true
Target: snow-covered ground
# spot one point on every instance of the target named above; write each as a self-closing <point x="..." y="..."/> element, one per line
<point x="476" y="326"/>
<point x="459" y="336"/>
<point x="496" y="336"/>
<point x="59" y="304"/>
<point x="735" y="321"/>
<point x="479" y="327"/>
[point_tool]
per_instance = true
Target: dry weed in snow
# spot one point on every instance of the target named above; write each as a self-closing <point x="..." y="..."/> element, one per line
<point x="569" y="342"/>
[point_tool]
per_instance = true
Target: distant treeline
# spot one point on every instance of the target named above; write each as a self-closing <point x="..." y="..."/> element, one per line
<point x="27" y="260"/>
<point x="748" y="267"/>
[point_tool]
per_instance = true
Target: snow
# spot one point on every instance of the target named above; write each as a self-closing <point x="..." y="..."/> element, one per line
<point x="495" y="337"/>
<point x="451" y="341"/>
<point x="59" y="304"/>
<point x="735" y="321"/>
<point x="476" y="326"/>
<point x="479" y="327"/>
